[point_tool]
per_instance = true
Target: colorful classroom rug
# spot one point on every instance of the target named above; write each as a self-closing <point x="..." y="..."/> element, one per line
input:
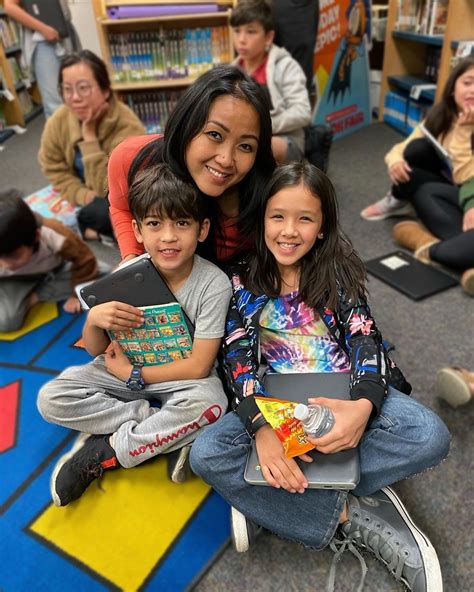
<point x="137" y="531"/>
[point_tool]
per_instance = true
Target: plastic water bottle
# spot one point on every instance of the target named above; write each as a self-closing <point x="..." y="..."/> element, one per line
<point x="317" y="420"/>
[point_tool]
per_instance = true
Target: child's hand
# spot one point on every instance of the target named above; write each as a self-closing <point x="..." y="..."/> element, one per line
<point x="399" y="172"/>
<point x="350" y="420"/>
<point x="278" y="470"/>
<point x="115" y="316"/>
<point x="466" y="116"/>
<point x="72" y="305"/>
<point x="468" y="220"/>
<point x="117" y="362"/>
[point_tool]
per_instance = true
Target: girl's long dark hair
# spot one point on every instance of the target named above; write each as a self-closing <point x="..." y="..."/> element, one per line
<point x="331" y="264"/>
<point x="190" y="116"/>
<point x="441" y="117"/>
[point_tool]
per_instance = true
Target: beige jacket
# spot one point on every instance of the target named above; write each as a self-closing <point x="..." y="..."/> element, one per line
<point x="457" y="142"/>
<point x="62" y="134"/>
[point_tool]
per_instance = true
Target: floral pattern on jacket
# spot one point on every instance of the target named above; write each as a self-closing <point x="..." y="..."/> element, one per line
<point x="351" y="325"/>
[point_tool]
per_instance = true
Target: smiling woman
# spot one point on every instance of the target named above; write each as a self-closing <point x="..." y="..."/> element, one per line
<point x="219" y="138"/>
<point x="79" y="137"/>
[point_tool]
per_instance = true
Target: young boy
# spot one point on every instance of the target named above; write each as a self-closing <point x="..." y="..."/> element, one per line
<point x="280" y="75"/>
<point x="34" y="257"/>
<point x="111" y="399"/>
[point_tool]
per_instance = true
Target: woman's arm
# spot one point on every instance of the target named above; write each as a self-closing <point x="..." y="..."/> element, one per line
<point x="15" y="11"/>
<point x="119" y="164"/>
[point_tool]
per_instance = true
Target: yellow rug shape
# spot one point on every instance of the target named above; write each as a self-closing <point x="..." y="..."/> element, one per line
<point x="38" y="315"/>
<point x="124" y="523"/>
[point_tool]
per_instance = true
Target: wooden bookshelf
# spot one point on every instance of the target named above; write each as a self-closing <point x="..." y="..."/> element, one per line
<point x="12" y="109"/>
<point x="405" y="51"/>
<point x="106" y="26"/>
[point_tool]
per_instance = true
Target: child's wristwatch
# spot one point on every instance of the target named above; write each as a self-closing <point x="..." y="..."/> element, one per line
<point x="135" y="382"/>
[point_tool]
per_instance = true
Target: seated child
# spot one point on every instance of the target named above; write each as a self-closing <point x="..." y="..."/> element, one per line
<point x="300" y="301"/>
<point x="111" y="399"/>
<point x="41" y="259"/>
<point x="253" y="26"/>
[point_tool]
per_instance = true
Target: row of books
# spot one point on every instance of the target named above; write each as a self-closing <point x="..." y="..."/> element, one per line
<point x="153" y="108"/>
<point x="15" y="68"/>
<point x="168" y="53"/>
<point x="463" y="50"/>
<point x="433" y="59"/>
<point x="25" y="100"/>
<point x="402" y="112"/>
<point x="9" y="34"/>
<point x="426" y="17"/>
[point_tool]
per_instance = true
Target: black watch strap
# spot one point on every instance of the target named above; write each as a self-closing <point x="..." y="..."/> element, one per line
<point x="252" y="427"/>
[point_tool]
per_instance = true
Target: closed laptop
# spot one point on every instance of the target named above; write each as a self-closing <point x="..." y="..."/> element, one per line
<point x="48" y="12"/>
<point x="409" y="276"/>
<point x="327" y="471"/>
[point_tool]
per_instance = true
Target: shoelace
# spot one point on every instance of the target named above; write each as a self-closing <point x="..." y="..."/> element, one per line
<point x="375" y="545"/>
<point x="346" y="543"/>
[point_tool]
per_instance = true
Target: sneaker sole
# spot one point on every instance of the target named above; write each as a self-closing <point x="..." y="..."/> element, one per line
<point x="452" y="388"/>
<point x="238" y="528"/>
<point x="395" y="214"/>
<point x="434" y="580"/>
<point x="78" y="444"/>
<point x="181" y="470"/>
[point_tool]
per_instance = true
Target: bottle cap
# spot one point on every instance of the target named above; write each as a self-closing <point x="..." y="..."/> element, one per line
<point x="301" y="411"/>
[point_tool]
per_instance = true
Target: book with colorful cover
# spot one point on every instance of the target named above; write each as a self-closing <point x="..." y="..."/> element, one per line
<point x="49" y="203"/>
<point x="163" y="337"/>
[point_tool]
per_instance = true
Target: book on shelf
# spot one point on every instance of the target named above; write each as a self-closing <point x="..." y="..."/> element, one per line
<point x="162" y="338"/>
<point x="426" y="17"/>
<point x="9" y="34"/>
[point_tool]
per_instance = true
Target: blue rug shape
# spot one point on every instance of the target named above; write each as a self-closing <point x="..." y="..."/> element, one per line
<point x="28" y="362"/>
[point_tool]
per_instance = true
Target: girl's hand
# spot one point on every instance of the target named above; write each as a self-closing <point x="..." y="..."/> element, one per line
<point x="468" y="220"/>
<point x="91" y="121"/>
<point x="399" y="172"/>
<point x="466" y="116"/>
<point x="117" y="362"/>
<point x="72" y="305"/>
<point x="115" y="316"/>
<point x="278" y="470"/>
<point x="350" y="421"/>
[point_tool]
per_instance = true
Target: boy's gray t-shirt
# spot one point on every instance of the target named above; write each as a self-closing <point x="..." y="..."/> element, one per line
<point x="205" y="297"/>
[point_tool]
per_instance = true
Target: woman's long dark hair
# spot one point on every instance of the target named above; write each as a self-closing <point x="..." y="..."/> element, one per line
<point x="190" y="116"/>
<point x="332" y="263"/>
<point x="442" y="116"/>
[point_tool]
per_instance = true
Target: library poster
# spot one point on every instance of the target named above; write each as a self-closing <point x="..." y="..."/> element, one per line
<point x="341" y="65"/>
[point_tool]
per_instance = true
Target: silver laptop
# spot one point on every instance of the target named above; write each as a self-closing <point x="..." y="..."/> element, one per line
<point x="327" y="471"/>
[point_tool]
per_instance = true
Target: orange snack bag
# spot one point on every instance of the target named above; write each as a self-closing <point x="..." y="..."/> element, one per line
<point x="290" y="432"/>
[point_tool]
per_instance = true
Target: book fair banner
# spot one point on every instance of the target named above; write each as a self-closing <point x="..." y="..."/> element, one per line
<point x="341" y="65"/>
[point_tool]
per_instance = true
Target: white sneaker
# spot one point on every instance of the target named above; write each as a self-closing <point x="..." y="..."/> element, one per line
<point x="386" y="207"/>
<point x="243" y="531"/>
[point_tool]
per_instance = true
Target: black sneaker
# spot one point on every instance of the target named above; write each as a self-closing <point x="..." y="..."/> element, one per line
<point x="87" y="460"/>
<point x="179" y="469"/>
<point x="244" y="531"/>
<point x="381" y="524"/>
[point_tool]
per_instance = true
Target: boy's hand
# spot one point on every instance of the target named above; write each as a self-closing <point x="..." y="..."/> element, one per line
<point x="278" y="470"/>
<point x="350" y="421"/>
<point x="72" y="305"/>
<point x="115" y="316"/>
<point x="117" y="362"/>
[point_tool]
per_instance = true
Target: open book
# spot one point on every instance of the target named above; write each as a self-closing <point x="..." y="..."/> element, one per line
<point x="163" y="337"/>
<point x="440" y="150"/>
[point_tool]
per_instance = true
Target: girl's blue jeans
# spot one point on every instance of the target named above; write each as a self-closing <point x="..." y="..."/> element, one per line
<point x="405" y="438"/>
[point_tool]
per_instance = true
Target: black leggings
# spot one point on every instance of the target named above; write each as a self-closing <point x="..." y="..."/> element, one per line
<point x="95" y="215"/>
<point x="436" y="201"/>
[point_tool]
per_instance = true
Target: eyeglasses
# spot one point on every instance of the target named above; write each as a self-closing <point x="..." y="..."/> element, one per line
<point x="83" y="89"/>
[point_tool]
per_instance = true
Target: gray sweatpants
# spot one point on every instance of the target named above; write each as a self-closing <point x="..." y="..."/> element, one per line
<point x="15" y="291"/>
<point x="90" y="399"/>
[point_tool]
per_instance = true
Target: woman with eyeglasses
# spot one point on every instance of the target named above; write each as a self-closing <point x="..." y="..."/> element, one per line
<point x="79" y="137"/>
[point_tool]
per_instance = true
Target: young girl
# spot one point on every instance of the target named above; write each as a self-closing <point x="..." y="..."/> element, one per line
<point x="443" y="200"/>
<point x="300" y="301"/>
<point x="218" y="137"/>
